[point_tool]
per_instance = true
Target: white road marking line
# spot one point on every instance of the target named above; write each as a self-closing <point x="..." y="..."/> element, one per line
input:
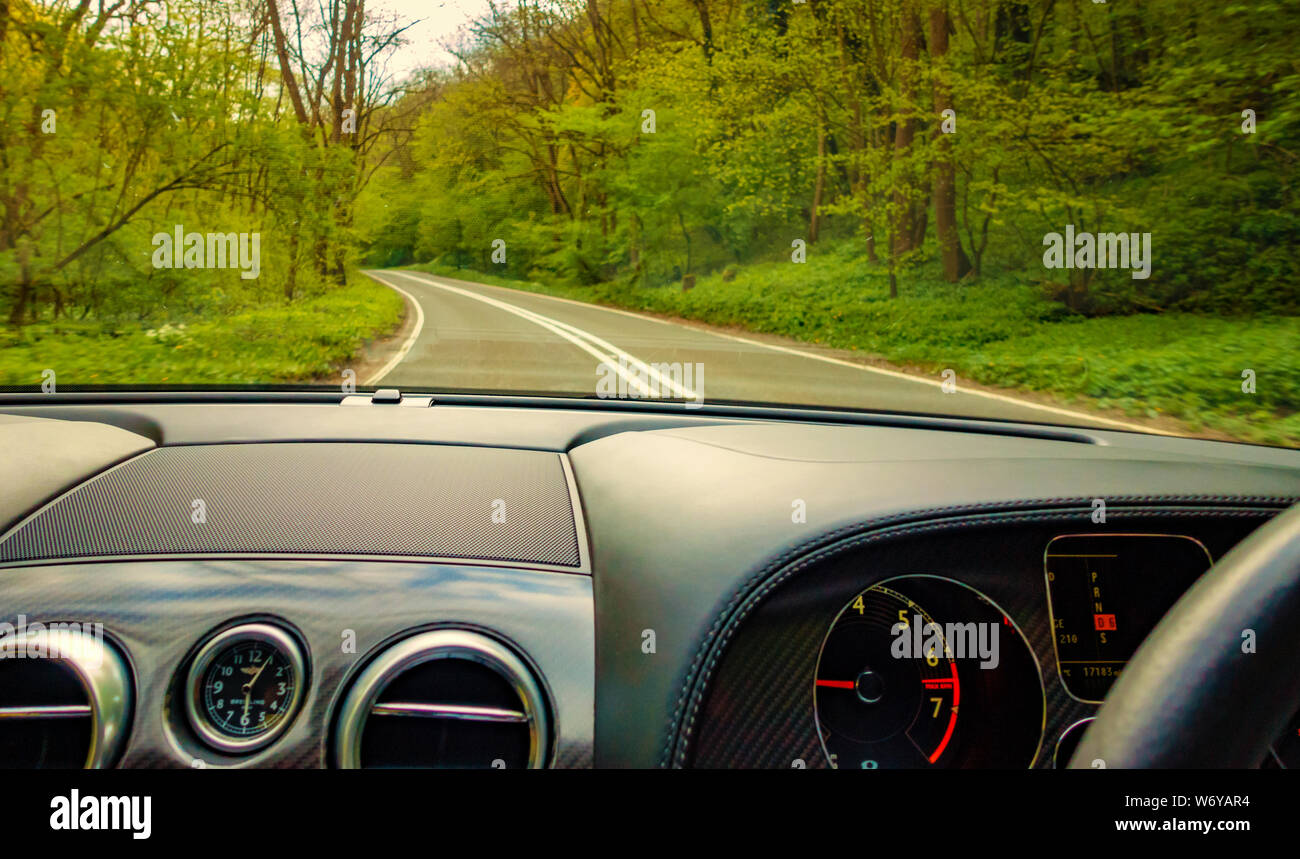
<point x="574" y="302"/>
<point x="556" y="328"/>
<point x="537" y="319"/>
<point x="1004" y="398"/>
<point x="665" y="383"/>
<point x="383" y="371"/>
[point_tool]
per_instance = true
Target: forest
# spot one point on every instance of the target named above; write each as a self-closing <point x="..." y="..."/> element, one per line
<point x="914" y="156"/>
<point x="649" y="141"/>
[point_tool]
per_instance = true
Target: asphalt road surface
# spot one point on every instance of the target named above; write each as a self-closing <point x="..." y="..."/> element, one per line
<point x="472" y="336"/>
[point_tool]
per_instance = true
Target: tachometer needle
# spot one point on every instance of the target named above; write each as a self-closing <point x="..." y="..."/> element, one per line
<point x="837" y="684"/>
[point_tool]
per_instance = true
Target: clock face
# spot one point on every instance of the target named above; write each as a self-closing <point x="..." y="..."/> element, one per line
<point x="247" y="690"/>
<point x="245" y="687"/>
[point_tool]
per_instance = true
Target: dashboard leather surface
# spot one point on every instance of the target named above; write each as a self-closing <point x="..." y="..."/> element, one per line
<point x="42" y="457"/>
<point x="681" y="528"/>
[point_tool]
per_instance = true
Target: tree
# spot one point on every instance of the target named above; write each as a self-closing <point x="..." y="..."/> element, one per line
<point x="954" y="259"/>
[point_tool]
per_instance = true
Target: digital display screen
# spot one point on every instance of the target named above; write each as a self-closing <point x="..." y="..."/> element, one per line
<point x="1106" y="592"/>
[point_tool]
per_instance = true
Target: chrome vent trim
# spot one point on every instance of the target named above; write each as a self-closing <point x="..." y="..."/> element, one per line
<point x="449" y="711"/>
<point x="103" y="675"/>
<point x="359" y="705"/>
<point x="55" y="711"/>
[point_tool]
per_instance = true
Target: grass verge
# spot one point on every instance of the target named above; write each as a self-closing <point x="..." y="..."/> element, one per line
<point x="262" y="344"/>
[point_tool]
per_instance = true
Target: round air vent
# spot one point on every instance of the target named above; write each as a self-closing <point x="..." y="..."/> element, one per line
<point x="443" y="699"/>
<point x="65" y="699"/>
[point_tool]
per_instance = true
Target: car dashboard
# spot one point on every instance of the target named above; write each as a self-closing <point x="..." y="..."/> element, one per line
<point x="505" y="583"/>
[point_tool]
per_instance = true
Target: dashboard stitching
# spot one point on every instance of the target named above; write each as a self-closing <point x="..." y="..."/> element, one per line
<point x="898" y="525"/>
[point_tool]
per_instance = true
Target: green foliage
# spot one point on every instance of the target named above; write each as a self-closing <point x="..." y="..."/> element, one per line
<point x="786" y="122"/>
<point x="256" y="343"/>
<point x="1108" y="117"/>
<point x="122" y="122"/>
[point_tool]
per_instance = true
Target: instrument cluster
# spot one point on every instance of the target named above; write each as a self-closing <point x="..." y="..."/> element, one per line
<point x="971" y="648"/>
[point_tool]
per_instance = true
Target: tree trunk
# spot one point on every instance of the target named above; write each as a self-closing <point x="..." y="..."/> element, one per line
<point x="955" y="262"/>
<point x="706" y="28"/>
<point x="18" y="310"/>
<point x="291" y="277"/>
<point x="819" y="186"/>
<point x="904" y="206"/>
<point x="687" y="235"/>
<point x="893" y="274"/>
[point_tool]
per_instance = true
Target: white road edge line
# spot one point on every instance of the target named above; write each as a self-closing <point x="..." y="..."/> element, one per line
<point x="582" y="339"/>
<point x="383" y="371"/>
<point x="974" y="392"/>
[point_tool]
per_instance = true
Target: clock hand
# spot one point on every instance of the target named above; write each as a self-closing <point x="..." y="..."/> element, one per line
<point x="248" y="687"/>
<point x="265" y="662"/>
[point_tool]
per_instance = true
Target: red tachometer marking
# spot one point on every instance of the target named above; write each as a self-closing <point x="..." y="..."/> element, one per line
<point x="952" y="717"/>
<point x="837" y="684"/>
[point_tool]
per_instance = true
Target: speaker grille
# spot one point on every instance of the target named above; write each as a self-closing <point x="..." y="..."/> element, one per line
<point x="314" y="498"/>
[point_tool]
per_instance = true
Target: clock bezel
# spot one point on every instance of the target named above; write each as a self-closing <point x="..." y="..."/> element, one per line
<point x="196" y="712"/>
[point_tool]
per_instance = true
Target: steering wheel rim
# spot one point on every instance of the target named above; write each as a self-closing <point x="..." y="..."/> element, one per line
<point x="1217" y="680"/>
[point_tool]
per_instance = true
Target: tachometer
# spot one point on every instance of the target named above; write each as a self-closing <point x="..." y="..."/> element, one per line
<point x="921" y="671"/>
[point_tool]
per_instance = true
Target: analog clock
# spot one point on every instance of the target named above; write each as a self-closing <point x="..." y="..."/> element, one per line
<point x="245" y="686"/>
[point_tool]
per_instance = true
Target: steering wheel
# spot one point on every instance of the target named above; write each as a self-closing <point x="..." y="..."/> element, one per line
<point x="1219" y="677"/>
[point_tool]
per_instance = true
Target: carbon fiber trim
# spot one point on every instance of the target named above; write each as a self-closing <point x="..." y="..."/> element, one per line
<point x="314" y="499"/>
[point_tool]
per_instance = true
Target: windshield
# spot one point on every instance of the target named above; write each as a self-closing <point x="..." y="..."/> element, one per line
<point x="1068" y="213"/>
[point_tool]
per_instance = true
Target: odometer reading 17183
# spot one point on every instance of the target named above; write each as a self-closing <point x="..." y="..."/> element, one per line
<point x="244" y="687"/>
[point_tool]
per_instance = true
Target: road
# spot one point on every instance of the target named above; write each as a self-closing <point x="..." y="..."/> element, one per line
<point x="472" y="336"/>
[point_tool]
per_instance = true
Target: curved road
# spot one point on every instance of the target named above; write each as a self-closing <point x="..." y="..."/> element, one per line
<point x="472" y="336"/>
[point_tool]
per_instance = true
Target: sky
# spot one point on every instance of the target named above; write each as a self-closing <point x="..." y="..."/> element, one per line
<point x="438" y="20"/>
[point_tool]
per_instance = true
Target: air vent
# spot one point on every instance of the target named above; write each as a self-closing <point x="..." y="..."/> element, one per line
<point x="65" y="699"/>
<point x="447" y="699"/>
